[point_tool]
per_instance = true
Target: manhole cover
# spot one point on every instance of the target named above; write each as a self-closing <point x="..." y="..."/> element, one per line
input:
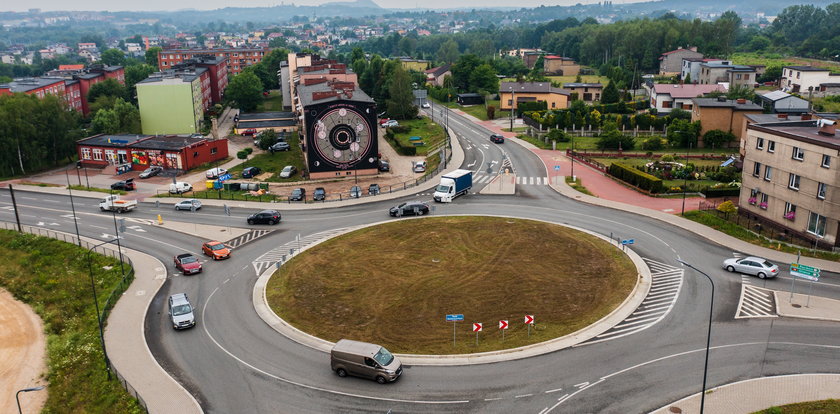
<point x="796" y="305"/>
<point x="675" y="410"/>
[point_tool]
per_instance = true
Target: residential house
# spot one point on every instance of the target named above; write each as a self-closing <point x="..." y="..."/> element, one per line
<point x="511" y="93"/>
<point x="587" y="92"/>
<point x="723" y="114"/>
<point x="691" y="67"/>
<point x="435" y="76"/>
<point x="562" y="66"/>
<point x="808" y="79"/>
<point x="742" y="76"/>
<point x="665" y="97"/>
<point x="415" y="65"/>
<point x="670" y="63"/>
<point x="790" y="179"/>
<point x="783" y="102"/>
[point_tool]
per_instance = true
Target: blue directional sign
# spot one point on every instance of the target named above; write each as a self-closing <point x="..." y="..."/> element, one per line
<point x="556" y="168"/>
<point x="455" y="317"/>
<point x="628" y="241"/>
<point x="224" y="177"/>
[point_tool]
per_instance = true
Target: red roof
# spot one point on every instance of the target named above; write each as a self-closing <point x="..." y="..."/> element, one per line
<point x="70" y="67"/>
<point x="552" y="57"/>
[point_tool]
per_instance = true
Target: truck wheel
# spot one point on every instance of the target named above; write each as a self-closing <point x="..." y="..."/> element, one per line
<point x="380" y="379"/>
<point x="341" y="372"/>
<point x="101" y="208"/>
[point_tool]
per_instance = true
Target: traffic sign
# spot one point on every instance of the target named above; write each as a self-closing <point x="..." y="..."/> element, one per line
<point x="628" y="241"/>
<point x="224" y="177"/>
<point x="503" y="324"/>
<point x="529" y="319"/>
<point x="804" y="272"/>
<point x="455" y="317"/>
<point x="477" y="327"/>
<point x="556" y="168"/>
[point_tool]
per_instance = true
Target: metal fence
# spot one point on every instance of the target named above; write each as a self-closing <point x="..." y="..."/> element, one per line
<point x="113" y="296"/>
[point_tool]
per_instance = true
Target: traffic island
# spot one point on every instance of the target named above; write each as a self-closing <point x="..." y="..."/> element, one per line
<point x="489" y="269"/>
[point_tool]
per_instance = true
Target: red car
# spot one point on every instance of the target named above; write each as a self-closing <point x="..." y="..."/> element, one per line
<point x="187" y="263"/>
<point x="249" y="132"/>
<point x="216" y="249"/>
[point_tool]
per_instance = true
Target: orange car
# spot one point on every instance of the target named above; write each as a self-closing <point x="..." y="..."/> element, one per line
<point x="215" y="249"/>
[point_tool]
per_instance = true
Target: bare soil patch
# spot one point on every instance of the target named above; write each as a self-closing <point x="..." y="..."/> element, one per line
<point x="394" y="283"/>
<point x="22" y="355"/>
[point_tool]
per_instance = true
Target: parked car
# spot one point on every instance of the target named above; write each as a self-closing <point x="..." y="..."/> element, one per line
<point x="288" y="171"/>
<point x="249" y="132"/>
<point x="251" y="172"/>
<point x="419" y="166"/>
<point x="298" y="194"/>
<point x="215" y="172"/>
<point x="355" y="191"/>
<point x="414" y="208"/>
<point x="498" y="139"/>
<point x="279" y="146"/>
<point x="426" y="105"/>
<point x="181" y="311"/>
<point x="383" y="120"/>
<point x="391" y="123"/>
<point x="374" y="189"/>
<point x="384" y="166"/>
<point x="188" y="205"/>
<point x="752" y="265"/>
<point x="319" y="194"/>
<point x="187" y="263"/>
<point x="151" y="171"/>
<point x="216" y="249"/>
<point x="125" y="185"/>
<point x="265" y="217"/>
<point x="179" y="187"/>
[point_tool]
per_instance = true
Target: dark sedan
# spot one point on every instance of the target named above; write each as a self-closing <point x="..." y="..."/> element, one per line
<point x="265" y="217"/>
<point x="409" y="209"/>
<point x="320" y="194"/>
<point x="298" y="194"/>
<point x="125" y="185"/>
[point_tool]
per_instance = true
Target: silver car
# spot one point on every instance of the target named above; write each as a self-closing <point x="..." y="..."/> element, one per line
<point x="188" y="205"/>
<point x="181" y="311"/>
<point x="755" y="266"/>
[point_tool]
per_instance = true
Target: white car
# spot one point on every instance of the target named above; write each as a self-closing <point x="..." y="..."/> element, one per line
<point x="288" y="171"/>
<point x="215" y="172"/>
<point x="755" y="266"/>
<point x="419" y="166"/>
<point x="188" y="204"/>
<point x="391" y="123"/>
<point x="180" y="187"/>
<point x="426" y="105"/>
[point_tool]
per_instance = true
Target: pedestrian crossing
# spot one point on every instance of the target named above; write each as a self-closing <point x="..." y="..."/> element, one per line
<point x="486" y="178"/>
<point x="287" y="250"/>
<point x="246" y="238"/>
<point x="665" y="288"/>
<point x="756" y="302"/>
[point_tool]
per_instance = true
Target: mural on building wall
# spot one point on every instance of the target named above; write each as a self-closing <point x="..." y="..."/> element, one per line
<point x="139" y="157"/>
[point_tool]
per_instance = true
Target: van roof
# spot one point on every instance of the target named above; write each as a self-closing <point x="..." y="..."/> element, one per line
<point x="356" y="347"/>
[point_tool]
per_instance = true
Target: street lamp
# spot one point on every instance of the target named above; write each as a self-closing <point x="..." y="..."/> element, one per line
<point x="17" y="394"/>
<point x="685" y="178"/>
<point x="708" y="335"/>
<point x="96" y="303"/>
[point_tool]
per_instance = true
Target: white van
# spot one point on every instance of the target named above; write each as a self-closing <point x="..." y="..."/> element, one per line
<point x="180" y="187"/>
<point x="364" y="360"/>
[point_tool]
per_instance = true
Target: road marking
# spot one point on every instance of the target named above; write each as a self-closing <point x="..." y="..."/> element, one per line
<point x="554" y="390"/>
<point x="523" y="395"/>
<point x="755" y="302"/>
<point x="492" y="399"/>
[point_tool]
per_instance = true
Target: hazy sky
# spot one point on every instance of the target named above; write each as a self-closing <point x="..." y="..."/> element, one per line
<point x="49" y="5"/>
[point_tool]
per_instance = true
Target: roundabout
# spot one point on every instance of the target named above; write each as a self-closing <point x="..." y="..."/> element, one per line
<point x="487" y="268"/>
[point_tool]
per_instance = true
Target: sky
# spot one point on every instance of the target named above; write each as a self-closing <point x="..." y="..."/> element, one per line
<point x="99" y="5"/>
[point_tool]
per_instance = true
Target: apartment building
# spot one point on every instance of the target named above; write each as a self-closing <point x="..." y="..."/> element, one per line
<point x="237" y="59"/>
<point x="791" y="180"/>
<point x="808" y="79"/>
<point x="174" y="101"/>
<point x="670" y="63"/>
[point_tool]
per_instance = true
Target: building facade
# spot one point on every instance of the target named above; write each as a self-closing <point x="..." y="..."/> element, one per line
<point x="734" y="75"/>
<point x="790" y="178"/>
<point x="173" y="102"/>
<point x="723" y="114"/>
<point x="558" y="65"/>
<point x="670" y="63"/>
<point x="807" y="79"/>
<point x="666" y="97"/>
<point x="511" y="93"/>
<point x="236" y="59"/>
<point x="125" y="152"/>
<point x="587" y="92"/>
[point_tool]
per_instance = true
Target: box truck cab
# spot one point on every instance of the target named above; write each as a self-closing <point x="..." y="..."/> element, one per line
<point x="452" y="185"/>
<point x="364" y="360"/>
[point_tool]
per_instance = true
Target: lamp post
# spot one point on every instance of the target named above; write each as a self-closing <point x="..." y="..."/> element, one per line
<point x="73" y="207"/>
<point x="685" y="178"/>
<point x="17" y="395"/>
<point x="96" y="304"/>
<point x="574" y="180"/>
<point x="708" y="334"/>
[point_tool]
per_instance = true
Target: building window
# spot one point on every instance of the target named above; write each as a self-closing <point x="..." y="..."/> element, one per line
<point x="816" y="224"/>
<point x="756" y="169"/>
<point x="771" y="146"/>
<point x="790" y="211"/>
<point x="759" y="143"/>
<point x="213" y="151"/>
<point x="798" y="154"/>
<point x="553" y="104"/>
<point x="793" y="182"/>
<point x="666" y="104"/>
<point x="821" y="190"/>
<point x="97" y="154"/>
<point x="86" y="153"/>
<point x="826" y="161"/>
<point x="768" y="173"/>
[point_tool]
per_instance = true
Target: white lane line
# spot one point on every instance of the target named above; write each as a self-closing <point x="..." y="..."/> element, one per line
<point x="523" y="396"/>
<point x="492" y="399"/>
<point x="554" y="390"/>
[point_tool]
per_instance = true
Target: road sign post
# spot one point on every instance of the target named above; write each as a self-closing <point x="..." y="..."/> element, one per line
<point x="810" y="273"/>
<point x="529" y="320"/>
<point x="454" y="318"/>
<point x="477" y="327"/>
<point x="503" y="325"/>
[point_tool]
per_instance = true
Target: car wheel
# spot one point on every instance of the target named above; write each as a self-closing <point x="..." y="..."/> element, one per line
<point x="341" y="372"/>
<point x="380" y="379"/>
<point x="423" y="212"/>
<point x="251" y="222"/>
<point x="730" y="269"/>
<point x="275" y="222"/>
<point x="101" y="208"/>
<point x="761" y="275"/>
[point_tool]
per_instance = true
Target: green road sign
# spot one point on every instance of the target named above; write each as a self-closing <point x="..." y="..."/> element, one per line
<point x="805" y="272"/>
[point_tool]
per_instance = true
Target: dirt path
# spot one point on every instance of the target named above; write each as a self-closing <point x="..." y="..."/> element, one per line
<point x="22" y="355"/>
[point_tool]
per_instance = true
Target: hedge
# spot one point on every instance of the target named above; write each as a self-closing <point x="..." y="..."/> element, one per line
<point x="721" y="192"/>
<point x="401" y="149"/>
<point x="635" y="177"/>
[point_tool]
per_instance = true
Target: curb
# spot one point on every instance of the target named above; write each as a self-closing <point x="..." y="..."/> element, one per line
<point x="628" y="306"/>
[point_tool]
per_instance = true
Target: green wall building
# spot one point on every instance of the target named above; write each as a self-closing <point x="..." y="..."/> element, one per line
<point x="173" y="102"/>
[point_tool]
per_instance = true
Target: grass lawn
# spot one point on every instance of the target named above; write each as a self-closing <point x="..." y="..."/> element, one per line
<point x="535" y="141"/>
<point x="396" y="290"/>
<point x="775" y="59"/>
<point x="52" y="277"/>
<point x="274" y="163"/>
<point x="271" y="103"/>
<point x="430" y="133"/>
<point x="811" y="407"/>
<point x="827" y="105"/>
<point x="578" y="185"/>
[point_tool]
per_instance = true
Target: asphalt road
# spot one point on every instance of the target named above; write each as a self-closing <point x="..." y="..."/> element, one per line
<point x="233" y="362"/>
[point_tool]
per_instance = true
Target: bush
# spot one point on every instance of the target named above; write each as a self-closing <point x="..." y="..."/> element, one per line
<point x="249" y="150"/>
<point x="635" y="177"/>
<point x="613" y="139"/>
<point x="652" y="144"/>
<point x="721" y="192"/>
<point x="726" y="174"/>
<point x="558" y="135"/>
<point x="242" y="154"/>
<point x="400" y="129"/>
<point x="717" y="138"/>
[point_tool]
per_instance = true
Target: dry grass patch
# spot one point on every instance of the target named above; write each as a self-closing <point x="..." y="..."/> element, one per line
<point x="394" y="283"/>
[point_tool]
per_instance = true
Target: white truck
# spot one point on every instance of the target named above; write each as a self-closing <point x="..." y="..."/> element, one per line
<point x="115" y="203"/>
<point x="452" y="185"/>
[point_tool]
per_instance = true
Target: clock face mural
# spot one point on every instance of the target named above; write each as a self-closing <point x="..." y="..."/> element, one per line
<point x="340" y="136"/>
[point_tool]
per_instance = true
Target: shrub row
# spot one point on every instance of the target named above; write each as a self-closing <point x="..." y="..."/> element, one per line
<point x="635" y="177"/>
<point x="400" y="148"/>
<point x="721" y="192"/>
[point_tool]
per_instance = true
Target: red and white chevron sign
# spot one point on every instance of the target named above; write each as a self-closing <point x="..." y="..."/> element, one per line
<point x="503" y="324"/>
<point x="529" y="319"/>
<point x="477" y="327"/>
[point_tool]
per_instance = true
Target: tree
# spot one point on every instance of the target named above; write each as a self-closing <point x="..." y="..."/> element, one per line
<point x="152" y="56"/>
<point x="400" y="105"/>
<point x="610" y="94"/>
<point x="448" y="51"/>
<point x="108" y="87"/>
<point x="717" y="138"/>
<point x="134" y="74"/>
<point x="244" y="91"/>
<point x="682" y="133"/>
<point x="122" y="118"/>
<point x="687" y="78"/>
<point x="484" y="78"/>
<point x="113" y="57"/>
<point x="463" y="69"/>
<point x="612" y="138"/>
<point x="771" y="74"/>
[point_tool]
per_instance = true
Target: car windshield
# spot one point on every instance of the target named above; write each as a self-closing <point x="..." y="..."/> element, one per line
<point x="148" y="170"/>
<point x="181" y="310"/>
<point x="189" y="259"/>
<point x="219" y="246"/>
<point x="287" y="169"/>
<point x="296" y="191"/>
<point x="383" y="357"/>
<point x="442" y="188"/>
